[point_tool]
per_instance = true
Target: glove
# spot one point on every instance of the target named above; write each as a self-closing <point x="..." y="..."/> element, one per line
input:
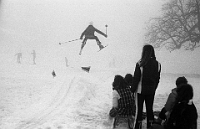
<point x="113" y="112"/>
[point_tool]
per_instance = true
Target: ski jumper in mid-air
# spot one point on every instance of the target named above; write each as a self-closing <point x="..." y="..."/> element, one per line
<point x="89" y="34"/>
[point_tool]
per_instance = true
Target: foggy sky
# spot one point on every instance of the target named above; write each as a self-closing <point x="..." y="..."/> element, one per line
<point x="41" y="24"/>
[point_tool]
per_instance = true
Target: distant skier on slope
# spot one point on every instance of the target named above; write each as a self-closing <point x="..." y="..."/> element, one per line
<point x="89" y="34"/>
<point x="19" y="57"/>
<point x="34" y="56"/>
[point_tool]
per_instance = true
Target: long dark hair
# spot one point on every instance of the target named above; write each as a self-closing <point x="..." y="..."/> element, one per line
<point x="147" y="53"/>
<point x="118" y="82"/>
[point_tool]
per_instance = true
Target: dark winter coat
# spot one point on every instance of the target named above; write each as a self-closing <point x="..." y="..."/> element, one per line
<point x="89" y="32"/>
<point x="183" y="116"/>
<point x="150" y="77"/>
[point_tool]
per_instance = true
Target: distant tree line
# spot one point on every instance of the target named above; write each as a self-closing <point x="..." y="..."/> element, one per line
<point x="177" y="27"/>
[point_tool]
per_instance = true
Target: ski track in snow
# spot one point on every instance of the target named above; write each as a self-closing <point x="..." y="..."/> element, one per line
<point x="53" y="108"/>
<point x="73" y="102"/>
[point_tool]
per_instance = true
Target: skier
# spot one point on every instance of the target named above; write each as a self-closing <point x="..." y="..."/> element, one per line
<point x="53" y="73"/>
<point x="34" y="56"/>
<point x="19" y="56"/>
<point x="89" y="34"/>
<point x="66" y="61"/>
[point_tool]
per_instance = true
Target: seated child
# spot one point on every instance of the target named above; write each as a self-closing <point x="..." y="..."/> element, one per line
<point x="184" y="113"/>
<point x="123" y="102"/>
<point x="166" y="110"/>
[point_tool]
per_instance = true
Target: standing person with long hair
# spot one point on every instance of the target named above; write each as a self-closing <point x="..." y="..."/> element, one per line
<point x="145" y="82"/>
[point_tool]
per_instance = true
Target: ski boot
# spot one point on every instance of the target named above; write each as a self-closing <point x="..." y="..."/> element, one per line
<point x="101" y="47"/>
<point x="80" y="52"/>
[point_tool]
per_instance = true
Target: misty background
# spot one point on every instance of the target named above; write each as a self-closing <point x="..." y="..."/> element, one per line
<point x="39" y="25"/>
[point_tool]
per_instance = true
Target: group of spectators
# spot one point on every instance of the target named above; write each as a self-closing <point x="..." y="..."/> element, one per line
<point x="130" y="93"/>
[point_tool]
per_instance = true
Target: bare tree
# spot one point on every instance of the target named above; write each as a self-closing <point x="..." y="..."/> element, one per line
<point x="179" y="26"/>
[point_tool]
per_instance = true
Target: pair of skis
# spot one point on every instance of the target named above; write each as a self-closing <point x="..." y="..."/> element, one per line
<point x="79" y="39"/>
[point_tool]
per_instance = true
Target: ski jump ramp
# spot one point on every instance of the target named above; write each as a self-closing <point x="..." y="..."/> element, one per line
<point x="81" y="102"/>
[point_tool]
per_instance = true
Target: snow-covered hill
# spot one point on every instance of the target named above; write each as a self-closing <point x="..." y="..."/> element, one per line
<point x="32" y="99"/>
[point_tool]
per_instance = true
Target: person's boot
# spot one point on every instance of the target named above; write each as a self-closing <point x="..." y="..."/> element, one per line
<point x="101" y="47"/>
<point x="80" y="52"/>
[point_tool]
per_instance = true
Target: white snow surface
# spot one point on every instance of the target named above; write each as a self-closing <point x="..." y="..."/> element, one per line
<point x="32" y="99"/>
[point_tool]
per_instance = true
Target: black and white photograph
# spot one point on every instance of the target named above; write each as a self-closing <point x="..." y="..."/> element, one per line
<point x="99" y="64"/>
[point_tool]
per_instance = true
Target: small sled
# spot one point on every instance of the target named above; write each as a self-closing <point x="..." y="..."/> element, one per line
<point x="87" y="69"/>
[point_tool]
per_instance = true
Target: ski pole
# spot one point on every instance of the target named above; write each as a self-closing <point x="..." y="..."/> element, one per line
<point x="68" y="41"/>
<point x="106" y="28"/>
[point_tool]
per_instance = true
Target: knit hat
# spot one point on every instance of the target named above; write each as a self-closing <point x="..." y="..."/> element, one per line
<point x="181" y="80"/>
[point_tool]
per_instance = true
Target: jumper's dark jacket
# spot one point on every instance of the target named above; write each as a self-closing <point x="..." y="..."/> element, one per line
<point x="150" y="77"/>
<point x="89" y="32"/>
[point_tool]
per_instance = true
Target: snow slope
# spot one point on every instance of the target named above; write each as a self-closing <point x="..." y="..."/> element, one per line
<point x="77" y="99"/>
<point x="32" y="99"/>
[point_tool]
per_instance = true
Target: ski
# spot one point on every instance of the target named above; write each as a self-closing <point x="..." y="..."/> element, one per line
<point x="102" y="48"/>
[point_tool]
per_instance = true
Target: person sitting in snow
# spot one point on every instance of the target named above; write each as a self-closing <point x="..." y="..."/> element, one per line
<point x="166" y="110"/>
<point x="129" y="81"/>
<point x="89" y="34"/>
<point x="184" y="113"/>
<point x="123" y="102"/>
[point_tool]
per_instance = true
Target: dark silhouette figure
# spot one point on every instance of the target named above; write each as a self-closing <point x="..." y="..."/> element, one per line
<point x="53" y="74"/>
<point x="19" y="56"/>
<point x="89" y="34"/>
<point x="145" y="82"/>
<point x="184" y="114"/>
<point x="34" y="56"/>
<point x="66" y="61"/>
<point x="166" y="110"/>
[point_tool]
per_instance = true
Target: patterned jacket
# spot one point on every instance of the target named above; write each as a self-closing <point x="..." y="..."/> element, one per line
<point x="126" y="103"/>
